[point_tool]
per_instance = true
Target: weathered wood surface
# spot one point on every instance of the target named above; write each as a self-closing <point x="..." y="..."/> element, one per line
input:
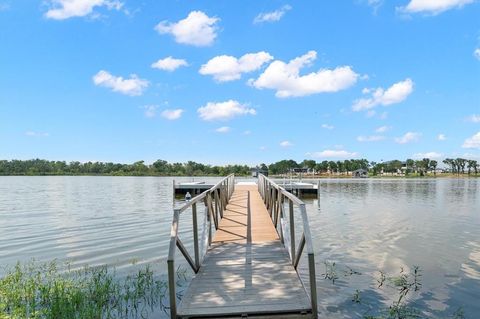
<point x="247" y="270"/>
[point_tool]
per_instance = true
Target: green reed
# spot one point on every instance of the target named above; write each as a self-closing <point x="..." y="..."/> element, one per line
<point x="44" y="291"/>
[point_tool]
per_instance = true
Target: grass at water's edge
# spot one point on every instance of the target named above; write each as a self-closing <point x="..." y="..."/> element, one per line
<point x="34" y="290"/>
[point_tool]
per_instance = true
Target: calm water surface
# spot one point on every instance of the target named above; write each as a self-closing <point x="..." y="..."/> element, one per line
<point x="363" y="226"/>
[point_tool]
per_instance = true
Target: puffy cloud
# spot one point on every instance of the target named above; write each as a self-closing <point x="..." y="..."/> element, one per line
<point x="4" y="7"/>
<point x="382" y="129"/>
<point x="174" y="114"/>
<point x="224" y="110"/>
<point x="36" y="134"/>
<point x="228" y="68"/>
<point x="441" y="137"/>
<point x="397" y="93"/>
<point x="150" y="110"/>
<point x="196" y="29"/>
<point x="372" y="138"/>
<point x="476" y="53"/>
<point x="223" y="129"/>
<point x="285" y="78"/>
<point x="273" y="16"/>
<point x="407" y="138"/>
<point x="64" y="9"/>
<point x="472" y="142"/>
<point x="333" y="154"/>
<point x="328" y="127"/>
<point x="430" y="155"/>
<point x="286" y="144"/>
<point x="474" y="118"/>
<point x="169" y="64"/>
<point x="132" y="86"/>
<point x="433" y="6"/>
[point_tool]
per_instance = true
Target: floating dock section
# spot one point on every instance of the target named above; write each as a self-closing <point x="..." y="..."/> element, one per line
<point x="300" y="189"/>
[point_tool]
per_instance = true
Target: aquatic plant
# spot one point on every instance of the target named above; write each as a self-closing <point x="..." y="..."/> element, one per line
<point x="44" y="291"/>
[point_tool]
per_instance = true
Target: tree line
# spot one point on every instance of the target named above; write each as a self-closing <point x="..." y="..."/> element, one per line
<point x="163" y="168"/>
<point x="139" y="168"/>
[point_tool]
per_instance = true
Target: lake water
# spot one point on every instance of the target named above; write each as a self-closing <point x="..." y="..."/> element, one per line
<point x="362" y="227"/>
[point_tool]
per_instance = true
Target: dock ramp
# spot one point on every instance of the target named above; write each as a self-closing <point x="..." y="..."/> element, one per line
<point x="249" y="268"/>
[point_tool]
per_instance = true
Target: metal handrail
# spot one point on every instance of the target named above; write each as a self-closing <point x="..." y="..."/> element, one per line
<point x="215" y="200"/>
<point x="274" y="197"/>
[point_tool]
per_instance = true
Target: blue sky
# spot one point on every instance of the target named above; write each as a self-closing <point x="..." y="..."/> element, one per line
<point x="232" y="81"/>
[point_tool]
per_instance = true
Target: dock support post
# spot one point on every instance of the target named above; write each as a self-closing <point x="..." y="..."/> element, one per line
<point x="292" y="231"/>
<point x="195" y="236"/>
<point x="318" y="193"/>
<point x="171" y="287"/>
<point x="313" y="285"/>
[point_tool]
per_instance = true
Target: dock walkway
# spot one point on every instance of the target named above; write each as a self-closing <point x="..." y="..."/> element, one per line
<point x="247" y="271"/>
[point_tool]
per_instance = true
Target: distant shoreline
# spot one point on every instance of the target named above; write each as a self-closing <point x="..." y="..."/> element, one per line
<point x="296" y="177"/>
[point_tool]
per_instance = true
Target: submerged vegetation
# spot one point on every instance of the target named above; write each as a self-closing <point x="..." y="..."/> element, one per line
<point x="409" y="167"/>
<point x="402" y="287"/>
<point x="43" y="291"/>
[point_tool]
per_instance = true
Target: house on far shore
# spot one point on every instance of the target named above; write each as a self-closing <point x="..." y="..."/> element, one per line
<point x="257" y="170"/>
<point x="360" y="173"/>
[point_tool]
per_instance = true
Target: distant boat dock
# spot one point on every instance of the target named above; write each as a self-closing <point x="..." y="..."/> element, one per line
<point x="295" y="187"/>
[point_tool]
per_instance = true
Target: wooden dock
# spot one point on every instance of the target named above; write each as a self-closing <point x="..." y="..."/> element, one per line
<point x="247" y="271"/>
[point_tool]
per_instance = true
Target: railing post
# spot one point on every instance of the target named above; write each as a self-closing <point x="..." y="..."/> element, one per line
<point x="195" y="235"/>
<point x="318" y="193"/>
<point x="212" y="210"/>
<point x="313" y="284"/>
<point x="209" y="221"/>
<point x="171" y="288"/>
<point x="292" y="230"/>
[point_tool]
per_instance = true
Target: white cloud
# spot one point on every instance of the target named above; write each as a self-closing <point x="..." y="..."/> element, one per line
<point x="286" y="144"/>
<point x="397" y="93"/>
<point x="228" y="68"/>
<point x="37" y="134"/>
<point x="150" y="110"/>
<point x="273" y="16"/>
<point x="132" y="86"/>
<point x="472" y="142"/>
<point x="64" y="9"/>
<point x="224" y="110"/>
<point x="286" y="80"/>
<point x="441" y="137"/>
<point x="476" y="53"/>
<point x="374" y="3"/>
<point x="430" y="155"/>
<point x="169" y="64"/>
<point x="407" y="138"/>
<point x="328" y="127"/>
<point x="223" y="129"/>
<point x="196" y="29"/>
<point x="172" y="114"/>
<point x="333" y="154"/>
<point x="382" y="129"/>
<point x="474" y="118"/>
<point x="4" y="7"/>
<point x="433" y="6"/>
<point x="372" y="138"/>
<point x="247" y="132"/>
<point x="262" y="148"/>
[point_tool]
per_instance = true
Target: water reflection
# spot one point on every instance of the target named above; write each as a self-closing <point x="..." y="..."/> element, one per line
<point x="388" y="225"/>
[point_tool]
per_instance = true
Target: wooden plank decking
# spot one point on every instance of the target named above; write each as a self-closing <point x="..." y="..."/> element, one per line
<point x="247" y="270"/>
